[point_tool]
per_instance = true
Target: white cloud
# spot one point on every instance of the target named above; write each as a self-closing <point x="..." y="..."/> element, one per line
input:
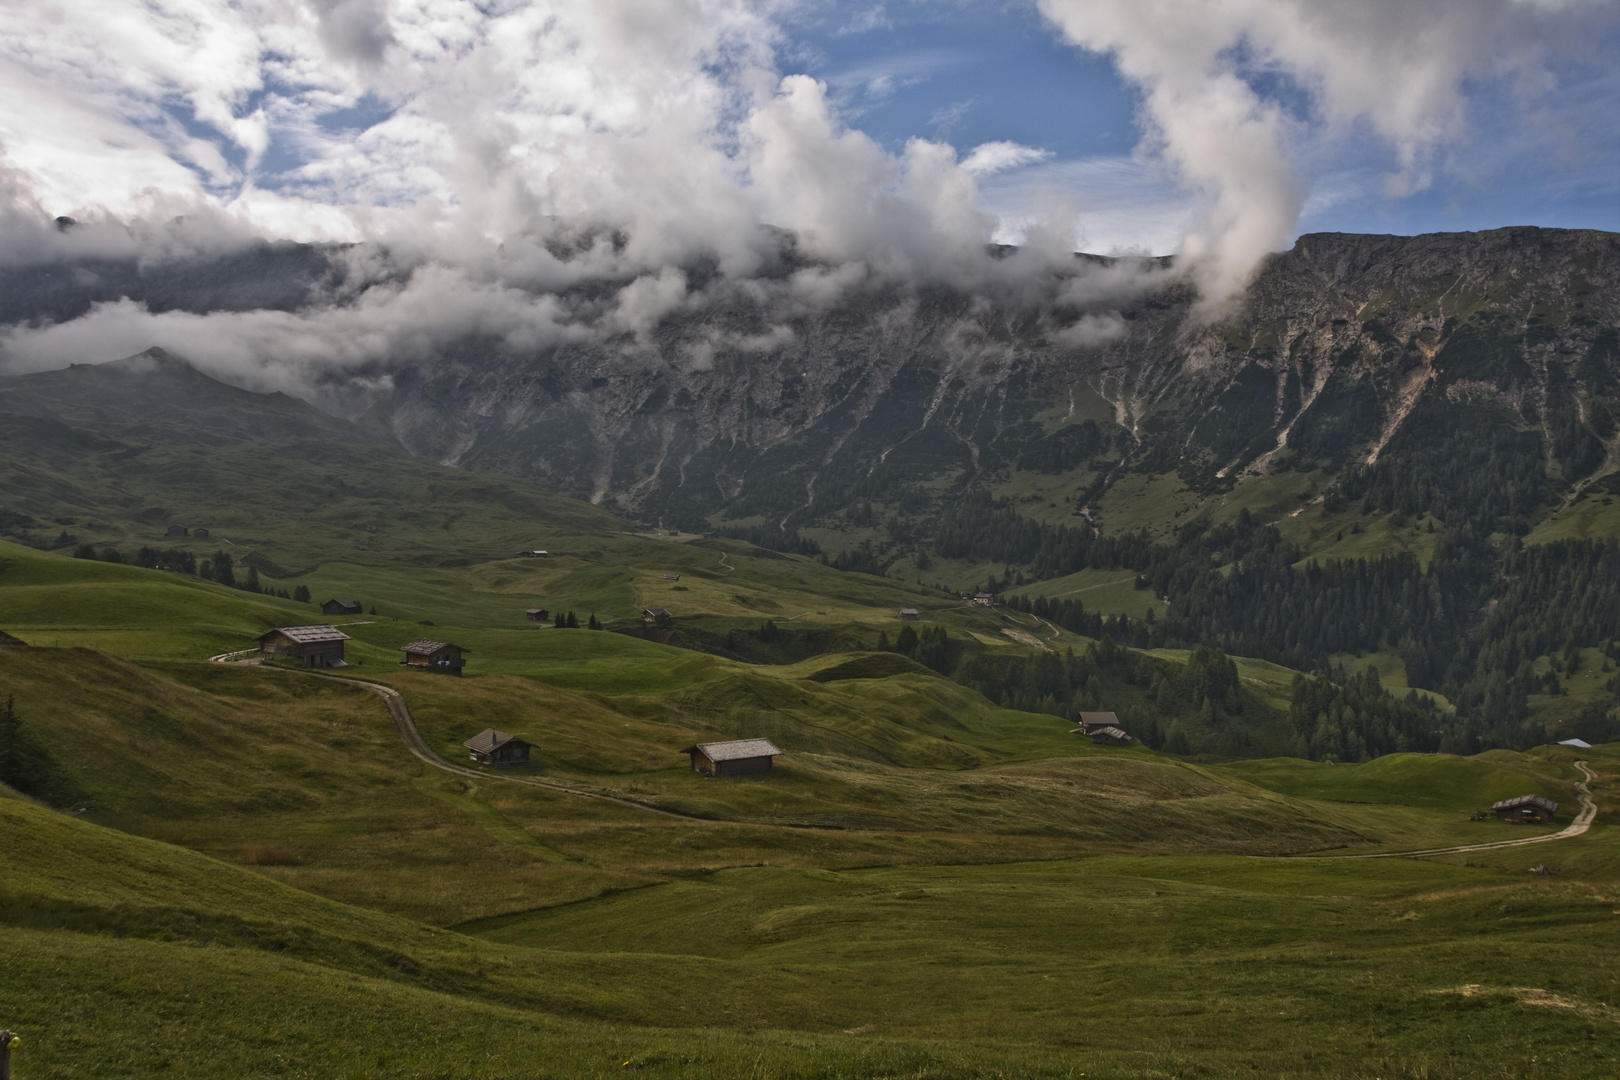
<point x="1389" y="66"/>
<point x="994" y="157"/>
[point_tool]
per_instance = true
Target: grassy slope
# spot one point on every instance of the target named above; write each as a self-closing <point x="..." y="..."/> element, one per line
<point x="1328" y="969"/>
<point x="921" y="927"/>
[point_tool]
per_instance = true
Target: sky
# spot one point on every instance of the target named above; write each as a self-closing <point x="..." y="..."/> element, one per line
<point x="472" y="140"/>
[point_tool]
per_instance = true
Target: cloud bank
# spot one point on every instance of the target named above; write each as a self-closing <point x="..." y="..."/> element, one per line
<point x="489" y="158"/>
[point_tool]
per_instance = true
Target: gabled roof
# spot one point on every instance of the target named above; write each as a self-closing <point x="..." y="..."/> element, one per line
<point x="343" y="600"/>
<point x="308" y="635"/>
<point x="1579" y="744"/>
<point x="489" y="740"/>
<point x="1526" y="800"/>
<point x="736" y="750"/>
<point x="428" y="648"/>
<point x="655" y="612"/>
<point x="1097" y="719"/>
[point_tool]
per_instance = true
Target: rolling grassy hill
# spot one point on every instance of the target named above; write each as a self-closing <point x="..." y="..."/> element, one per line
<point x="247" y="859"/>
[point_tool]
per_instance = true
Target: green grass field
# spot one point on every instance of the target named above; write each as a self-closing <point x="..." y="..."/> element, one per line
<point x="257" y="878"/>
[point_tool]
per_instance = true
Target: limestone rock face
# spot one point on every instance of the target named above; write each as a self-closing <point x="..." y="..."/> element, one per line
<point x="1341" y="344"/>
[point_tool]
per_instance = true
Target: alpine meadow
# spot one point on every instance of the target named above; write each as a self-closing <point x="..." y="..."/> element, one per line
<point x="556" y="540"/>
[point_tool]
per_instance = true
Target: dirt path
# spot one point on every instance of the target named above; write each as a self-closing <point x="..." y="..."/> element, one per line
<point x="412" y="738"/>
<point x="1582" y="822"/>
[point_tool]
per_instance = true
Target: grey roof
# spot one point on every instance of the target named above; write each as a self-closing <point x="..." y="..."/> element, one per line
<point x="1112" y="733"/>
<point x="489" y="740"/>
<point x="344" y="600"/>
<point x="309" y="635"/>
<point x="908" y="611"/>
<point x="1526" y="800"/>
<point x="1579" y="744"/>
<point x="1097" y="719"/>
<point x="428" y="648"/>
<point x="735" y="750"/>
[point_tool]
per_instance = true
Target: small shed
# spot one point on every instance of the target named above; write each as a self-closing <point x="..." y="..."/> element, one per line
<point x="201" y="534"/>
<point x="1094" y="721"/>
<point x="1528" y="809"/>
<point x="491" y="747"/>
<point x="537" y="614"/>
<point x="909" y="614"/>
<point x="440" y="656"/>
<point x="340" y="605"/>
<point x="672" y="577"/>
<point x="534" y="554"/>
<point x="316" y="646"/>
<point x="735" y="758"/>
<point x="1110" y="736"/>
<point x="985" y="599"/>
<point x="655" y="615"/>
<point x="177" y="530"/>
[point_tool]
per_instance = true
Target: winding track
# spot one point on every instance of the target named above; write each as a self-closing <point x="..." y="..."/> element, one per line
<point x="406" y="726"/>
<point x="1582" y="822"/>
<point x="412" y="738"/>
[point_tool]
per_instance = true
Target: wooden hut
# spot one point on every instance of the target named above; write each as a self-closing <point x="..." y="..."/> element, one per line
<point x="908" y="614"/>
<point x="537" y="614"/>
<point x="985" y="599"/>
<point x="340" y="605"/>
<point x="440" y="656"/>
<point x="201" y="534"/>
<point x="656" y="616"/>
<point x="672" y="577"/>
<point x="1111" y="736"/>
<point x="177" y="530"/>
<point x="735" y="758"/>
<point x="1093" y="721"/>
<point x="491" y="747"/>
<point x="316" y="646"/>
<point x="1526" y="809"/>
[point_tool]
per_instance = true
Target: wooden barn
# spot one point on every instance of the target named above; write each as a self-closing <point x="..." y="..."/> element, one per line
<point x="340" y="605"/>
<point x="537" y="614"/>
<point x="316" y="646"/>
<point x="672" y="577"/>
<point x="736" y="758"/>
<point x="201" y="534"/>
<point x="491" y="747"/>
<point x="985" y="599"/>
<point x="656" y="616"/>
<point x="908" y="614"/>
<point x="440" y="656"/>
<point x="1110" y="736"/>
<point x="1526" y="809"/>
<point x="177" y="530"/>
<point x="1092" y="721"/>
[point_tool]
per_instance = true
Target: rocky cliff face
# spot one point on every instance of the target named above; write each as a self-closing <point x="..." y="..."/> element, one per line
<point x="1349" y="349"/>
<point x="1380" y="363"/>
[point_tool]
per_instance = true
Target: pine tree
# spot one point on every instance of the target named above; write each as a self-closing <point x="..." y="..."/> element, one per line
<point x="572" y="622"/>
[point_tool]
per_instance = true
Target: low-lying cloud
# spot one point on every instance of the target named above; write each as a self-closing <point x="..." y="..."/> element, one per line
<point x="486" y="160"/>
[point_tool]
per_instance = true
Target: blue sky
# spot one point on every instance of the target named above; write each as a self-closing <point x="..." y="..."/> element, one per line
<point x="1242" y="123"/>
<point x="1547" y="155"/>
